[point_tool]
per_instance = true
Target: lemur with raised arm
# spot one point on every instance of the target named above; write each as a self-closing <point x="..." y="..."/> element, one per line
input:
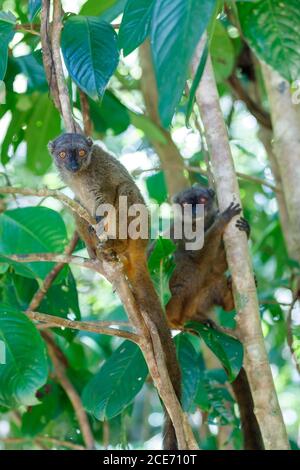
<point x="199" y="282"/>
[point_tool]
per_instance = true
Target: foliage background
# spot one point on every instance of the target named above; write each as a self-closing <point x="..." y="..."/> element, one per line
<point x="27" y="224"/>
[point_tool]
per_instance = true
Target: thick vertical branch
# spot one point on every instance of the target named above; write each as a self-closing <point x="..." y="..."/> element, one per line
<point x="286" y="127"/>
<point x="57" y="63"/>
<point x="257" y="365"/>
<point x="171" y="160"/>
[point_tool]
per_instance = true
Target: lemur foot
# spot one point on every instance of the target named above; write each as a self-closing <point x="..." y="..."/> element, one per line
<point x="243" y="225"/>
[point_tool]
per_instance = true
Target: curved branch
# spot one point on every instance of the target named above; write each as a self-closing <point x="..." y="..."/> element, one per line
<point x="56" y="194"/>
<point x="94" y="265"/>
<point x="94" y="327"/>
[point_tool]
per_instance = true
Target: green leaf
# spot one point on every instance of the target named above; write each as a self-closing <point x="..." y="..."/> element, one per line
<point x="136" y="23"/>
<point x="62" y="301"/>
<point x="176" y="29"/>
<point x="14" y="134"/>
<point x="271" y="28"/>
<point x="109" y="114"/>
<point x="44" y="125"/>
<point x="213" y="397"/>
<point x="222" y="53"/>
<point x="26" y="368"/>
<point x="157" y="187"/>
<point x="31" y="66"/>
<point x="161" y="266"/>
<point x="32" y="230"/>
<point x="90" y="51"/>
<point x="35" y="420"/>
<point x="196" y="81"/>
<point x="34" y="7"/>
<point x="191" y="365"/>
<point x="108" y="10"/>
<point x="117" y="383"/>
<point x="227" y="349"/>
<point x="151" y="130"/>
<point x="7" y="23"/>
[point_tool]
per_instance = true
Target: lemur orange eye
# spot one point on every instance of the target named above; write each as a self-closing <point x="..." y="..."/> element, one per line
<point x="82" y="153"/>
<point x="62" y="154"/>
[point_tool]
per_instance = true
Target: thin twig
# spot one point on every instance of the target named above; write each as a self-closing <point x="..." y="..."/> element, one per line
<point x="200" y="171"/>
<point x="68" y="202"/>
<point x="42" y="439"/>
<point x="94" y="265"/>
<point x="95" y="327"/>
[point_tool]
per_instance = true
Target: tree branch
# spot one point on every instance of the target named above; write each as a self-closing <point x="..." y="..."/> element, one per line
<point x="257" y="365"/>
<point x="42" y="439"/>
<point x="94" y="327"/>
<point x="94" y="265"/>
<point x="68" y="202"/>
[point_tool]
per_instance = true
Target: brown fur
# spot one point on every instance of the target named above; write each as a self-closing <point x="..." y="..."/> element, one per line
<point x="96" y="179"/>
<point x="199" y="283"/>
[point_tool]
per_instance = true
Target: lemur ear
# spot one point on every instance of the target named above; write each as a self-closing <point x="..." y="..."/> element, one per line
<point x="89" y="142"/>
<point x="51" y="146"/>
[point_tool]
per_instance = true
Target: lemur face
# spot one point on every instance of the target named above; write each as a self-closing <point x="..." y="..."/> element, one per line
<point x="197" y="195"/>
<point x="71" y="152"/>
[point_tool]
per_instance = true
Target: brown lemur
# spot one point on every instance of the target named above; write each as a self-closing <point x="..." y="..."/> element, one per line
<point x="97" y="178"/>
<point x="199" y="283"/>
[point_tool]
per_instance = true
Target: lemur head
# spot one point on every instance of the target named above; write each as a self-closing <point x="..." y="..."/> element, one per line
<point x="71" y="152"/>
<point x="198" y="195"/>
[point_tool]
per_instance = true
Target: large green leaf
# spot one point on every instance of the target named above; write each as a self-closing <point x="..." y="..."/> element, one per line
<point x="227" y="349"/>
<point x="32" y="230"/>
<point x="136" y="23"/>
<point x="31" y="66"/>
<point x="7" y="23"/>
<point x="272" y="29"/>
<point x="107" y="9"/>
<point x="90" y="51"/>
<point x="14" y="135"/>
<point x="222" y="52"/>
<point x="176" y="29"/>
<point x="151" y="130"/>
<point x="25" y="369"/>
<point x="38" y="417"/>
<point x="117" y="383"/>
<point x="44" y="124"/>
<point x="191" y="365"/>
<point x="161" y="266"/>
<point x="157" y="187"/>
<point x="34" y="7"/>
<point x="109" y="114"/>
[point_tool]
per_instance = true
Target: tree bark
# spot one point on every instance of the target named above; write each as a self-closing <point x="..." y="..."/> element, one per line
<point x="286" y="127"/>
<point x="171" y="161"/>
<point x="257" y="365"/>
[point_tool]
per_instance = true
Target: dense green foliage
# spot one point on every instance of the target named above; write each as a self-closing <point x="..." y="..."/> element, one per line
<point x="111" y="374"/>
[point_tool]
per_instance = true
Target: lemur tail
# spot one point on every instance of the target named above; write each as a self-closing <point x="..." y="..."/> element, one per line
<point x="149" y="303"/>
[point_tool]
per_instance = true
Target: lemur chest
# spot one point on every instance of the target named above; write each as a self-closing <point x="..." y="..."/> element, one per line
<point x="85" y="194"/>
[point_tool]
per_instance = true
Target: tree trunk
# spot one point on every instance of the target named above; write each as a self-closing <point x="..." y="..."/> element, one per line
<point x="286" y="127"/>
<point x="257" y="365"/>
